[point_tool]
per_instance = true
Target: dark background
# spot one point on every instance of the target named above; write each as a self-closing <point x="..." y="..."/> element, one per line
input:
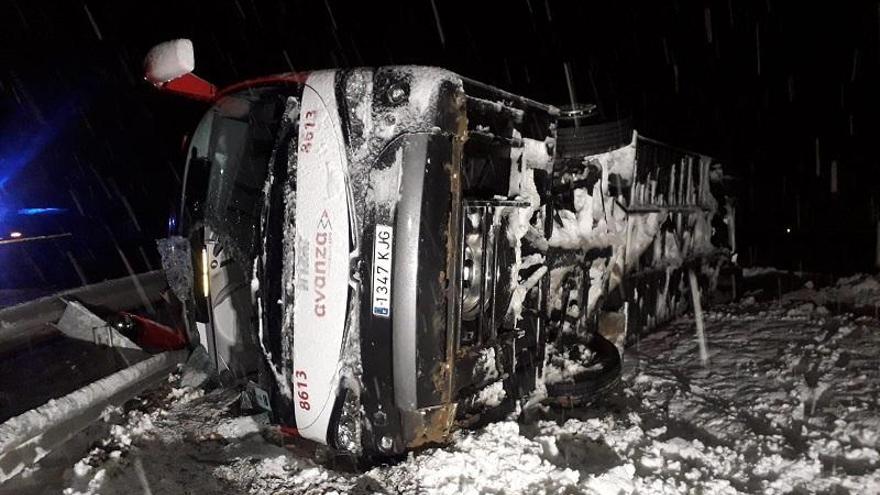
<point x="778" y="91"/>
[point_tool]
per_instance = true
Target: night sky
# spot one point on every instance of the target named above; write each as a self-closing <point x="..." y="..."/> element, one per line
<point x="778" y="91"/>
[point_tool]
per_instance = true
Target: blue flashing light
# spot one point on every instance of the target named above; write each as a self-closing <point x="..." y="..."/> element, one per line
<point x="24" y="139"/>
<point x="40" y="211"/>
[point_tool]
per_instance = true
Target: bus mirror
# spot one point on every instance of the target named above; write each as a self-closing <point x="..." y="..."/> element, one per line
<point x="169" y="66"/>
<point x="168" y="61"/>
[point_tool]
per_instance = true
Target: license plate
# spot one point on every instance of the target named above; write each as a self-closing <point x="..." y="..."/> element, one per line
<point x="382" y="246"/>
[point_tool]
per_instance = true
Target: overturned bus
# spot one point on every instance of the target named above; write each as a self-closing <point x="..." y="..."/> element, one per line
<point x="399" y="252"/>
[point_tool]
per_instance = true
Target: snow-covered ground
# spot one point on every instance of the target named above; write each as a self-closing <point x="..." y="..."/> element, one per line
<point x="790" y="403"/>
<point x="858" y="293"/>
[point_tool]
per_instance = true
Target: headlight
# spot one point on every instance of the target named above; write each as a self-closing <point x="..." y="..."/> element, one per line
<point x="205" y="278"/>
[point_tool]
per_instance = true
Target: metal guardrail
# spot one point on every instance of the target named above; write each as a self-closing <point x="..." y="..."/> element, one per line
<point x="28" y="438"/>
<point x="26" y="322"/>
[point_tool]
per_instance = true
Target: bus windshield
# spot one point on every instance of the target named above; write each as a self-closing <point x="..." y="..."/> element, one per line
<point x="234" y="141"/>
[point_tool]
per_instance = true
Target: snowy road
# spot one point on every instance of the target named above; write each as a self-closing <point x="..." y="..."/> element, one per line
<point x="788" y="403"/>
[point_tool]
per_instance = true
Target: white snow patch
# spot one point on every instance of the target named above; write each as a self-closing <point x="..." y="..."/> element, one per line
<point x="779" y="411"/>
<point x="492" y="396"/>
